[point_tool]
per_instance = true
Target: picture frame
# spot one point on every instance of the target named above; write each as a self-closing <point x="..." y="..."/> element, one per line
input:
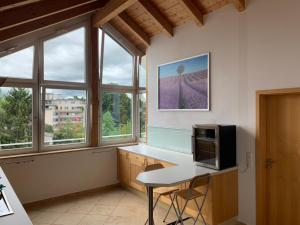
<point x="184" y="85"/>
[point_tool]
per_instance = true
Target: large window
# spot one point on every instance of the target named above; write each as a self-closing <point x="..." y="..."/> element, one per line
<point x="44" y="98"/>
<point x="46" y="92"/>
<point x="64" y="95"/>
<point x="117" y="95"/>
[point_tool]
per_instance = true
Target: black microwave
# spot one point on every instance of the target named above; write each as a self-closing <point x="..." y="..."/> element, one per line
<point x="214" y="146"/>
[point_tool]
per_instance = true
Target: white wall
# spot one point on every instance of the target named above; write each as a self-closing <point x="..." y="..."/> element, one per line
<point x="256" y="49"/>
<point x="59" y="174"/>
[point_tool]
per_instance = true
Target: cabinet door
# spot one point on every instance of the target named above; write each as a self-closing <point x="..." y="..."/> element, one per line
<point x="123" y="167"/>
<point x="137" y="165"/>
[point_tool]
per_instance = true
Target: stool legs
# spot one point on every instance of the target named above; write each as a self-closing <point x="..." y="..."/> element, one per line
<point x="171" y="205"/>
<point x="180" y="212"/>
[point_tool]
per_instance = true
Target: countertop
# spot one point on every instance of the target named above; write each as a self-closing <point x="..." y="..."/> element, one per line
<point x="183" y="171"/>
<point x="19" y="217"/>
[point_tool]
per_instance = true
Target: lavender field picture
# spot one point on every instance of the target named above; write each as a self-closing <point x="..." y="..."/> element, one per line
<point x="184" y="84"/>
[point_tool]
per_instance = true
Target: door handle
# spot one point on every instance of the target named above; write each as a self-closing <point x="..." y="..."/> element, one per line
<point x="269" y="163"/>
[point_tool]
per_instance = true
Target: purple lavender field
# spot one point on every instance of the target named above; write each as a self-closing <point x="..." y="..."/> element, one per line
<point x="188" y="91"/>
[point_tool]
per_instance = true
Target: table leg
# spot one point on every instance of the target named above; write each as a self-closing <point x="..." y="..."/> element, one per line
<point x="150" y="205"/>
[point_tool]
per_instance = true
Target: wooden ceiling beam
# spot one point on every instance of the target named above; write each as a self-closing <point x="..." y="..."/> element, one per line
<point x="193" y="11"/>
<point x="112" y="9"/>
<point x="34" y="25"/>
<point x="4" y="3"/>
<point x="157" y="16"/>
<point x="240" y="5"/>
<point x="131" y="25"/>
<point x="20" y="15"/>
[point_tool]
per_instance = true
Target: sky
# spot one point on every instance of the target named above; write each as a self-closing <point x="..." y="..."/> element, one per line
<point x="190" y="65"/>
<point x="18" y="64"/>
<point x="117" y="63"/>
<point x="64" y="60"/>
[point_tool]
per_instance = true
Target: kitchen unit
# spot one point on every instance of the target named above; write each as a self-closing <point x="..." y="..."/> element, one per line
<point x="222" y="201"/>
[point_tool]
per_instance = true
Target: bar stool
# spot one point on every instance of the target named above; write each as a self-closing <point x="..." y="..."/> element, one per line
<point x="191" y="194"/>
<point x="162" y="191"/>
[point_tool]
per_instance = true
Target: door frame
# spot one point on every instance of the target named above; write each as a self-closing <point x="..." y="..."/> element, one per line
<point x="260" y="152"/>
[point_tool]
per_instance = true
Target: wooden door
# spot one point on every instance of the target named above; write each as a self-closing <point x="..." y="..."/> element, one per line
<point x="283" y="159"/>
<point x="123" y="167"/>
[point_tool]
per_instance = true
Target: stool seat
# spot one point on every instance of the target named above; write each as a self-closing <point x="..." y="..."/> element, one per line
<point x="189" y="194"/>
<point x="165" y="190"/>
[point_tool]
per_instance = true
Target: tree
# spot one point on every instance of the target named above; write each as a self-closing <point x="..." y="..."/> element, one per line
<point x="49" y="128"/>
<point x="116" y="110"/>
<point x="16" y="116"/>
<point x="108" y="126"/>
<point x="69" y="130"/>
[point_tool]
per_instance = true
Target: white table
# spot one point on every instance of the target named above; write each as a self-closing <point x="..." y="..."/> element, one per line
<point x="19" y="217"/>
<point x="184" y="171"/>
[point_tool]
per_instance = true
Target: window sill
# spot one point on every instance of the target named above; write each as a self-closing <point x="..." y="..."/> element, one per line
<point x="17" y="156"/>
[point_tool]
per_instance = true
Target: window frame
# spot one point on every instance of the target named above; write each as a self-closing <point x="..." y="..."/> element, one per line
<point x="39" y="85"/>
<point x="44" y="84"/>
<point x="117" y="89"/>
<point x="12" y="82"/>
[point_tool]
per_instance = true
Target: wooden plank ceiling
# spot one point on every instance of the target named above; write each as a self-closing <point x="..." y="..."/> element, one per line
<point x="137" y="20"/>
<point x="19" y="17"/>
<point x="140" y="20"/>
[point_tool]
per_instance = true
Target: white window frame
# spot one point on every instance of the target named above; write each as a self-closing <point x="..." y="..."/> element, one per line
<point x="26" y="83"/>
<point x="118" y="89"/>
<point x="38" y="84"/>
<point x="44" y="84"/>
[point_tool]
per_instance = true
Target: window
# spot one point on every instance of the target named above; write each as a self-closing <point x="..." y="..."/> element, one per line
<point x="118" y="93"/>
<point x="117" y="64"/>
<point x="64" y="57"/>
<point x="15" y="118"/>
<point x="18" y="64"/>
<point x="44" y="100"/>
<point x="64" y="126"/>
<point x="117" y="115"/>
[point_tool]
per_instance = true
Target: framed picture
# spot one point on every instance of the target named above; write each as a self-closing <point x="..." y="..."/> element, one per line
<point x="184" y="84"/>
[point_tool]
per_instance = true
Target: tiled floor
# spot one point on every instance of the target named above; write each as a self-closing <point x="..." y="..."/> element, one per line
<point x="115" y="207"/>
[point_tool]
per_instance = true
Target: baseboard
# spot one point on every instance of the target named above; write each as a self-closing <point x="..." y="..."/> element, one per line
<point x="68" y="196"/>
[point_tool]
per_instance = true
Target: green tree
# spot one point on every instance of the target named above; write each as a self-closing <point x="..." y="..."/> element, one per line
<point x="69" y="130"/>
<point x="49" y="128"/>
<point x="125" y="109"/>
<point x="16" y="116"/>
<point x="108" y="124"/>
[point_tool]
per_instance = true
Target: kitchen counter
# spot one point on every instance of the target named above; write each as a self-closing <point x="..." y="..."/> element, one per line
<point x="184" y="170"/>
<point x="221" y="205"/>
<point x="19" y="217"/>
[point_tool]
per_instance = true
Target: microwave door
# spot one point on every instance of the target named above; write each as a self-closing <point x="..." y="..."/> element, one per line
<point x="206" y="152"/>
